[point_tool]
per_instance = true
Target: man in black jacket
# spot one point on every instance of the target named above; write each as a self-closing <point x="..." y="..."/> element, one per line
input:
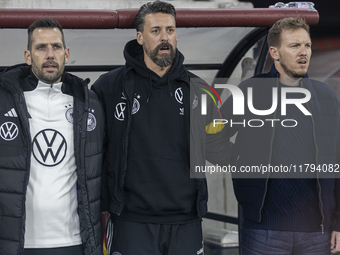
<point x="155" y="206"/>
<point x="51" y="146"/>
<point x="296" y="212"/>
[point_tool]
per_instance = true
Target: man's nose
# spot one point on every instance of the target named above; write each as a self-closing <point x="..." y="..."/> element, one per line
<point x="303" y="51"/>
<point x="164" y="36"/>
<point x="50" y="53"/>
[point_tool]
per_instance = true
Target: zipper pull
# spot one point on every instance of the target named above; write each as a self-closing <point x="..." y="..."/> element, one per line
<point x="51" y="86"/>
<point x="322" y="228"/>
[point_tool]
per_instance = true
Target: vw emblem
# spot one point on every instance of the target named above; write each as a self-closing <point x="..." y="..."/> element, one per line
<point x="49" y="147"/>
<point x="179" y="95"/>
<point x="9" y="131"/>
<point x="119" y="112"/>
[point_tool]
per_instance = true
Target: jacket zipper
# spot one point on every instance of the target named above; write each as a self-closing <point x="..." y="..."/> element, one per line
<point x="125" y="146"/>
<point x="316" y="162"/>
<point x="270" y="156"/>
<point x="26" y="129"/>
<point x="49" y="100"/>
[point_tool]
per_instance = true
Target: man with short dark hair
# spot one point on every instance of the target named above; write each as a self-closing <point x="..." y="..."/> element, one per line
<point x="52" y="131"/>
<point x="297" y="212"/>
<point x="155" y="206"/>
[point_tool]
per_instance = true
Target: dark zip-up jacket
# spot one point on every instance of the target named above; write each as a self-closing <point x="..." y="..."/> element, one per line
<point x="119" y="84"/>
<point x="253" y="146"/>
<point x="15" y="157"/>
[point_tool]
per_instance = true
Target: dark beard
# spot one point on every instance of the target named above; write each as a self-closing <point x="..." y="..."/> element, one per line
<point x="165" y="59"/>
<point x="48" y="79"/>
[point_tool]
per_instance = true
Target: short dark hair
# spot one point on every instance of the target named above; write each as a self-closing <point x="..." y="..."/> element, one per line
<point x="151" y="8"/>
<point x="274" y="34"/>
<point x="43" y="23"/>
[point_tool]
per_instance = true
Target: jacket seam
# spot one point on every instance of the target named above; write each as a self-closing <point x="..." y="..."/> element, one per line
<point x="92" y="178"/>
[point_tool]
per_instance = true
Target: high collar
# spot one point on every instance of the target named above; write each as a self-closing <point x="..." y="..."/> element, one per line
<point x="133" y="53"/>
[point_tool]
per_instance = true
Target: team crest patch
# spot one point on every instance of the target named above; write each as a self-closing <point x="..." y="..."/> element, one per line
<point x="91" y="122"/>
<point x="195" y="102"/>
<point x="116" y="253"/>
<point x="120" y="108"/>
<point x="69" y="115"/>
<point x="135" y="106"/>
<point x="9" y="131"/>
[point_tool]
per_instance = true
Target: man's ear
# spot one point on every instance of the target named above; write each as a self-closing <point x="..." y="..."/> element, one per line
<point x="67" y="55"/>
<point x="274" y="53"/>
<point x="139" y="37"/>
<point x="27" y="55"/>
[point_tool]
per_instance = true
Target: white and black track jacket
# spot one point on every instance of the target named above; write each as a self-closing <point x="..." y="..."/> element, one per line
<point x="15" y="158"/>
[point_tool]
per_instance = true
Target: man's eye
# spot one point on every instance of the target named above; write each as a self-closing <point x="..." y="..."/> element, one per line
<point x="154" y="31"/>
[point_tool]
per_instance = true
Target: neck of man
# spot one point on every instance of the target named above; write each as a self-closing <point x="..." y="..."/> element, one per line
<point x="285" y="79"/>
<point x="160" y="71"/>
<point x="290" y="81"/>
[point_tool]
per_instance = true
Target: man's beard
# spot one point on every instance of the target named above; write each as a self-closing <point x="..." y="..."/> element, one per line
<point x="164" y="60"/>
<point x="48" y="78"/>
<point x="289" y="72"/>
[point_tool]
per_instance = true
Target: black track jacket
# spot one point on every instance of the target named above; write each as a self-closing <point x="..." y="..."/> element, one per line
<point x="120" y="83"/>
